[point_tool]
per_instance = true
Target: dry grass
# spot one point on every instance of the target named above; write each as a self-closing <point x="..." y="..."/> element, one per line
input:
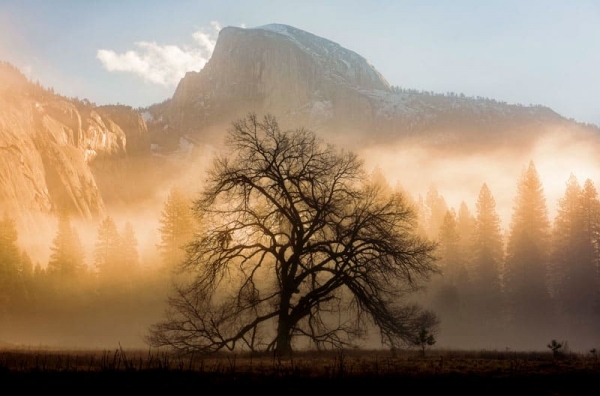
<point x="492" y="371"/>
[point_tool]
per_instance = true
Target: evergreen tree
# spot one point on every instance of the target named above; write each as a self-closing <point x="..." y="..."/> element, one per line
<point x="574" y="251"/>
<point x="446" y="290"/>
<point x="451" y="259"/>
<point x="176" y="227"/>
<point x="526" y="265"/>
<point x="488" y="256"/>
<point x="107" y="253"/>
<point x="10" y="259"/>
<point x="435" y="211"/>
<point x="488" y="247"/>
<point x="465" y="227"/>
<point x="66" y="258"/>
<point x="129" y="253"/>
<point x="465" y="224"/>
<point x="591" y="219"/>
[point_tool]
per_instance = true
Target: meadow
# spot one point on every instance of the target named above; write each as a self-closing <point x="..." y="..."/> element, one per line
<point x="396" y="372"/>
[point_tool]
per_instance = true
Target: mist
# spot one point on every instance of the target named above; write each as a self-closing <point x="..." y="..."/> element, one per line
<point x="458" y="176"/>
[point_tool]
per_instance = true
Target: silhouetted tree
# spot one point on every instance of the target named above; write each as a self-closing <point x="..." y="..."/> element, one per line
<point x="427" y="327"/>
<point x="526" y="266"/>
<point x="296" y="243"/>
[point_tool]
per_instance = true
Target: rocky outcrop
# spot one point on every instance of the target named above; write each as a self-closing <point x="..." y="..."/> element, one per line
<point x="47" y="144"/>
<point x="132" y="124"/>
<point x="278" y="69"/>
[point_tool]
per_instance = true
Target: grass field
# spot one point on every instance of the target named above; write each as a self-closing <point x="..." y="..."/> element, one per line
<point x="404" y="372"/>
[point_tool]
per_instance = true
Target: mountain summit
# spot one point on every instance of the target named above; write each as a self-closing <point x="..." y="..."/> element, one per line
<point x="279" y="69"/>
<point x="306" y="80"/>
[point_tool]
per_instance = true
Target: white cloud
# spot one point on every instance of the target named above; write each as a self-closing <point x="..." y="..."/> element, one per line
<point x="163" y="64"/>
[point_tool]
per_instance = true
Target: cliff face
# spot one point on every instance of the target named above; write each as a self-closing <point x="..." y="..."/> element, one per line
<point x="306" y="80"/>
<point x="48" y="143"/>
<point x="293" y="74"/>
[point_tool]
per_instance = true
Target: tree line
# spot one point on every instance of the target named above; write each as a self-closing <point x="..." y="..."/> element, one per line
<point x="537" y="279"/>
<point x="297" y="226"/>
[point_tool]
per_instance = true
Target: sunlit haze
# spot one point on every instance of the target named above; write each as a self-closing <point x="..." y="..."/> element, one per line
<point x="211" y="144"/>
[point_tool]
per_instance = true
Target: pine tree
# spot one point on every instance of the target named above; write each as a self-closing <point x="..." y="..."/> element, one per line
<point x="129" y="253"/>
<point x="107" y="253"/>
<point x="465" y="227"/>
<point x="488" y="256"/>
<point x="176" y="227"/>
<point x="66" y="260"/>
<point x="435" y="211"/>
<point x="10" y="258"/>
<point x="465" y="224"/>
<point x="451" y="259"/>
<point x="488" y="247"/>
<point x="526" y="265"/>
<point x="574" y="251"/>
<point x="591" y="219"/>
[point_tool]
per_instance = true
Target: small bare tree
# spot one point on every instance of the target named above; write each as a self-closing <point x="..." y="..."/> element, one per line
<point x="426" y="332"/>
<point x="555" y="347"/>
<point x="296" y="243"/>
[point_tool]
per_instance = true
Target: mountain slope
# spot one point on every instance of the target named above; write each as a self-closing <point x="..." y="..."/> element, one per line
<point x="306" y="80"/>
<point x="48" y="143"/>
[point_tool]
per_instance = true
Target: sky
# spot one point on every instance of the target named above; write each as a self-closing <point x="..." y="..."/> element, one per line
<point x="135" y="52"/>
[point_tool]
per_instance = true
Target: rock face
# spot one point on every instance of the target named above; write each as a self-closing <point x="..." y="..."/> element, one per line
<point x="306" y="80"/>
<point x="48" y="143"/>
<point x="280" y="69"/>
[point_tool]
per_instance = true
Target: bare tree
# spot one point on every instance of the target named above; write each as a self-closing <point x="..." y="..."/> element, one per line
<point x="297" y="245"/>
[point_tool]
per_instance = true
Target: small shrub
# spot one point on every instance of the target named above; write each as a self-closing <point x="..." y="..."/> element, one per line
<point x="555" y="347"/>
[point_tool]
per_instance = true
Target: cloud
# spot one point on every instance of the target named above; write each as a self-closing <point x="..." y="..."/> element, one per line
<point x="163" y="64"/>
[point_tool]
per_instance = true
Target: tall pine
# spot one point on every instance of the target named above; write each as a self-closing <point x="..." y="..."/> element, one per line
<point x="107" y="252"/>
<point x="66" y="262"/>
<point x="487" y="259"/>
<point x="575" y="254"/>
<point x="526" y="265"/>
<point x="176" y="227"/>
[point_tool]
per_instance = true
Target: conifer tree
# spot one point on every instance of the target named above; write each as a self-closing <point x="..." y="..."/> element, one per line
<point x="574" y="251"/>
<point x="488" y="256"/>
<point x="591" y="219"/>
<point x="130" y="257"/>
<point x="107" y="253"/>
<point x="526" y="264"/>
<point x="66" y="260"/>
<point x="176" y="227"/>
<point x="451" y="260"/>
<point x="435" y="211"/>
<point x="10" y="258"/>
<point x="488" y="248"/>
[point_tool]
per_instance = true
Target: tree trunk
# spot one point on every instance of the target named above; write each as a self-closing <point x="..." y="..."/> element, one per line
<point x="283" y="347"/>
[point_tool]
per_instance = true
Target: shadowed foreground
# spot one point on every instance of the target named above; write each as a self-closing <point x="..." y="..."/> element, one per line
<point x="489" y="373"/>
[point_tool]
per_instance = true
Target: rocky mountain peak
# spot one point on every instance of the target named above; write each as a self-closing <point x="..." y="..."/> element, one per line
<point x="293" y="74"/>
<point x="339" y="63"/>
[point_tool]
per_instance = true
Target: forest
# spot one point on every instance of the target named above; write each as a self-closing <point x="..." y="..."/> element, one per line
<point x="503" y="290"/>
